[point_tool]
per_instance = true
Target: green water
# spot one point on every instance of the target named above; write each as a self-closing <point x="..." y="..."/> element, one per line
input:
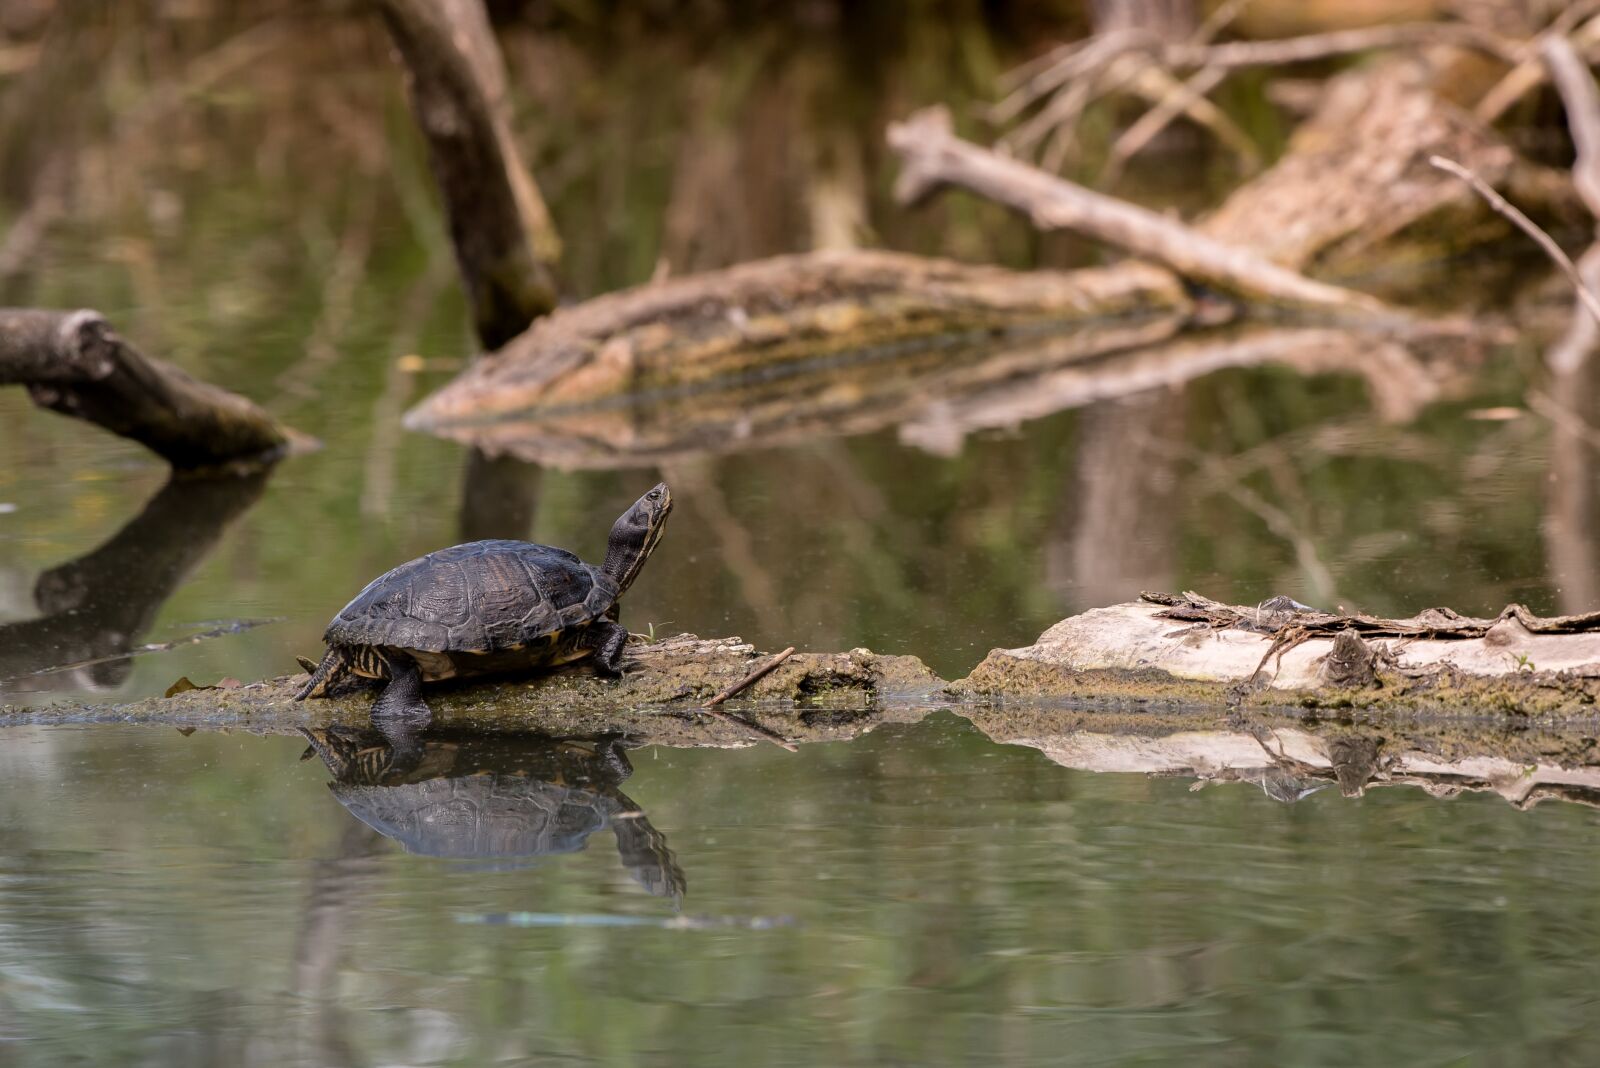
<point x="207" y="899"/>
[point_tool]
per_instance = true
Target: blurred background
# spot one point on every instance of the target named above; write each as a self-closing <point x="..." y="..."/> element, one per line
<point x="241" y="190"/>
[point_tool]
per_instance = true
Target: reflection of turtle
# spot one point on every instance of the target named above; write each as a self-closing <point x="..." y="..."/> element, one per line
<point x="486" y="607"/>
<point x="482" y="796"/>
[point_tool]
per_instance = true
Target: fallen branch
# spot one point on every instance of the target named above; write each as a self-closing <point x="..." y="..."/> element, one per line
<point x="935" y="157"/>
<point x="1527" y="226"/>
<point x="72" y="363"/>
<point x="504" y="239"/>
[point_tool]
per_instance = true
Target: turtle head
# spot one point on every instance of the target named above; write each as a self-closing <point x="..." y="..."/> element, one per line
<point x="635" y="535"/>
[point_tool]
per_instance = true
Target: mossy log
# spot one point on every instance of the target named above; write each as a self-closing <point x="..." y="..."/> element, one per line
<point x="72" y="363"/>
<point x="776" y="317"/>
<point x="1169" y="650"/>
<point x="809" y="697"/>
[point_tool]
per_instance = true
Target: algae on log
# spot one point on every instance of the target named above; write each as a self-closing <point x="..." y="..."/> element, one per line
<point x="1173" y="650"/>
<point x="773" y="316"/>
<point x="809" y="697"/>
<point x="1290" y="758"/>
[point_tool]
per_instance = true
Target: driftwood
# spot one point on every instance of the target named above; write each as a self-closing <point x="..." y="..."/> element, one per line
<point x="72" y="363"/>
<point x="938" y="395"/>
<point x="772" y="317"/>
<point x="934" y="157"/>
<point x="505" y="242"/>
<point x="1168" y="648"/>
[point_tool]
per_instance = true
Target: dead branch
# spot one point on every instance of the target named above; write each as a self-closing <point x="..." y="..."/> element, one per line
<point x="1530" y="72"/>
<point x="1579" y="96"/>
<point x="934" y="157"/>
<point x="505" y="242"/>
<point x="1237" y="54"/>
<point x="72" y="363"/>
<point x="1571" y="77"/>
<point x="1527" y="226"/>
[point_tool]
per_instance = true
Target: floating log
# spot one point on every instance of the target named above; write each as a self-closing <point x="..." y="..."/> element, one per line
<point x="72" y="363"/>
<point x="1186" y="648"/>
<point x="772" y="317"/>
<point x="937" y="394"/>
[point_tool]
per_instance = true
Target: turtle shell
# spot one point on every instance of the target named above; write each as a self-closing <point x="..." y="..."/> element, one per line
<point x="481" y="598"/>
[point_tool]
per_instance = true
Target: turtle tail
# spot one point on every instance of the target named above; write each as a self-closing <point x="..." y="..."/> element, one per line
<point x="334" y="668"/>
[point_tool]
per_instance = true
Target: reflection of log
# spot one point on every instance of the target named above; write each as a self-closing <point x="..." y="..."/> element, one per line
<point x="505" y="242"/>
<point x="939" y="393"/>
<point x="97" y="606"/>
<point x="935" y="157"/>
<point x="72" y="363"/>
<point x="1288" y="760"/>
<point x="1188" y="648"/>
<point x="767" y="319"/>
<point x="498" y="497"/>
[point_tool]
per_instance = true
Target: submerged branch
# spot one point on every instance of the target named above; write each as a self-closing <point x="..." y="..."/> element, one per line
<point x="72" y="363"/>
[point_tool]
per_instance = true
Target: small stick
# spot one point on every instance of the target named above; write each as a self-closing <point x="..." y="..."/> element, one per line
<point x="710" y="708"/>
<point x="1526" y="225"/>
<point x="751" y="679"/>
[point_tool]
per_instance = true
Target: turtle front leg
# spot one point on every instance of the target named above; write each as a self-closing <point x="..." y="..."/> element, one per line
<point x="401" y="700"/>
<point x="607" y="639"/>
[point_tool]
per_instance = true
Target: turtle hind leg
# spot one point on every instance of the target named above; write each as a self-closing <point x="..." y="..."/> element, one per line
<point x="607" y="640"/>
<point x="334" y="668"/>
<point x="401" y="701"/>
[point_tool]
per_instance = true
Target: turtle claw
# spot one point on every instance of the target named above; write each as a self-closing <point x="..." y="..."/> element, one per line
<point x="308" y="664"/>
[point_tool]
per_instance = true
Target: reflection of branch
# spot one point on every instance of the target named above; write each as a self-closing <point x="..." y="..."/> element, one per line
<point x="96" y="606"/>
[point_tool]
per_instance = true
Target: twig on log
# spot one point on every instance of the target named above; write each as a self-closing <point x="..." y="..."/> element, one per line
<point x="934" y="156"/>
<point x="710" y="707"/>
<point x="505" y="242"/>
<point x="751" y="679"/>
<point x="1526" y="225"/>
<point x="72" y="363"/>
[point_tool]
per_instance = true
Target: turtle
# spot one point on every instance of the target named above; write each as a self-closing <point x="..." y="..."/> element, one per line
<point x="486" y="607"/>
<point x="468" y="796"/>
